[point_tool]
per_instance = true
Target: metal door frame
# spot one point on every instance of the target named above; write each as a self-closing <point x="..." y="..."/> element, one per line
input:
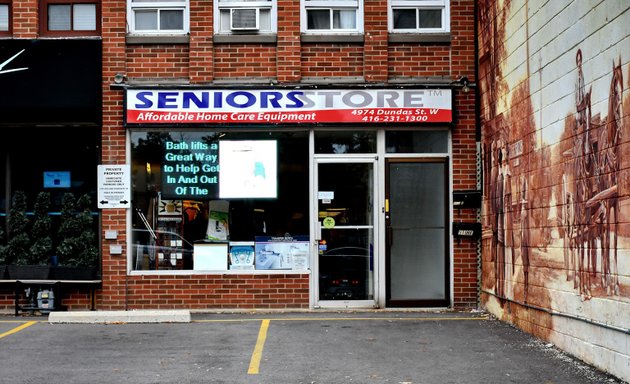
<point x="315" y="231"/>
<point x="420" y="303"/>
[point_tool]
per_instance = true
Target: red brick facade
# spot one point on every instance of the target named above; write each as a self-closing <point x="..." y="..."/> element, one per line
<point x="288" y="60"/>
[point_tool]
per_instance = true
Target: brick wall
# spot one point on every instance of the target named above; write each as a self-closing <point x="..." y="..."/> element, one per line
<point x="233" y="61"/>
<point x="201" y="61"/>
<point x="332" y="60"/>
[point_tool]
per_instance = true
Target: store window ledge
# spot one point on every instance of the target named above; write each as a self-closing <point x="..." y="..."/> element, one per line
<point x="440" y="38"/>
<point x="220" y="273"/>
<point x="239" y="39"/>
<point x="161" y="39"/>
<point x="326" y="38"/>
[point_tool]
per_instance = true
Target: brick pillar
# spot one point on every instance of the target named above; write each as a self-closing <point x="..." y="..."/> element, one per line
<point x="25" y="19"/>
<point x="201" y="47"/>
<point x="463" y="39"/>
<point x="375" y="47"/>
<point x="112" y="295"/>
<point x="466" y="284"/>
<point x="288" y="47"/>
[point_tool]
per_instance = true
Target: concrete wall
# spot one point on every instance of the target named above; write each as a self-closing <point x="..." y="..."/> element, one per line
<point x="554" y="96"/>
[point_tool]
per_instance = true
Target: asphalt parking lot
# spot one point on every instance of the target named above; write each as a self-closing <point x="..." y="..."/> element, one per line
<point x="275" y="348"/>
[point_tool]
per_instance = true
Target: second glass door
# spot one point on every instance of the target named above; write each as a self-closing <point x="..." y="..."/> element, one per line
<point x="346" y="231"/>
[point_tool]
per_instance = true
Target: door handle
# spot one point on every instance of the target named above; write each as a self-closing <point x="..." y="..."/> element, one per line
<point x="318" y="231"/>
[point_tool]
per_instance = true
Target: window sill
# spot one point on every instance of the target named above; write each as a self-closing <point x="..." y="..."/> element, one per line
<point x="331" y="38"/>
<point x="158" y="39"/>
<point x="419" y="38"/>
<point x="59" y="37"/>
<point x="220" y="273"/>
<point x="270" y="38"/>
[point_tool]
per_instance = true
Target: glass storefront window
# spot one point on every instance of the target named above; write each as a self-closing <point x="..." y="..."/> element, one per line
<point x="206" y="200"/>
<point x="416" y="141"/>
<point x="53" y="164"/>
<point x="335" y="142"/>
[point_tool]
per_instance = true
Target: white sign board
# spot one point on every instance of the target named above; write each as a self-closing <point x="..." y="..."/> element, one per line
<point x="114" y="188"/>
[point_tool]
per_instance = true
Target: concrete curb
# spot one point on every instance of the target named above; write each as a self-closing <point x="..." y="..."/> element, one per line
<point x="120" y="317"/>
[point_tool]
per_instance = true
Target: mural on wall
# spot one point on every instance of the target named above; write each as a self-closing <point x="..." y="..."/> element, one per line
<point x="555" y="211"/>
<point x="590" y="188"/>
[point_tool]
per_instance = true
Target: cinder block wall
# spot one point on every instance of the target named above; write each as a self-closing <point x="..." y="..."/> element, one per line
<point x="554" y="102"/>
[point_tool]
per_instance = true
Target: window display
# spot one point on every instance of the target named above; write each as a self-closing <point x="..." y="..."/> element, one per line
<point x="203" y="199"/>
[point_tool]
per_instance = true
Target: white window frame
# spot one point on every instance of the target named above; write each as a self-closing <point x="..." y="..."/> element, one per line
<point x="158" y="5"/>
<point x="356" y="5"/>
<point x="222" y="5"/>
<point x="443" y="5"/>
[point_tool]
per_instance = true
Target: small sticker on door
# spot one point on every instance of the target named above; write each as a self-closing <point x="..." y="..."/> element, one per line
<point x="329" y="222"/>
<point x="325" y="195"/>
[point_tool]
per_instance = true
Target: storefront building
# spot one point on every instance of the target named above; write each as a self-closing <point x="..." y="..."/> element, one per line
<point x="298" y="183"/>
<point x="50" y="113"/>
<point x="285" y="154"/>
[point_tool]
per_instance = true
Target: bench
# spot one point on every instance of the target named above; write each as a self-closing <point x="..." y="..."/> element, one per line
<point x="57" y="286"/>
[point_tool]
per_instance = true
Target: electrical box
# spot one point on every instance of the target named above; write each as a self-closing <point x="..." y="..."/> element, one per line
<point x="467" y="199"/>
<point x="467" y="230"/>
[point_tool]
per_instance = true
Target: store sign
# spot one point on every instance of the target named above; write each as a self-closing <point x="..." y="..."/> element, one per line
<point x="224" y="106"/>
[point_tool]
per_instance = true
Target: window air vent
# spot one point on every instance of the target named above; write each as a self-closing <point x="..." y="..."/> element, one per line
<point x="244" y="19"/>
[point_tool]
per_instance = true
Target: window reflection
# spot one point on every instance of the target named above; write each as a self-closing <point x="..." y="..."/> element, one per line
<point x="345" y="142"/>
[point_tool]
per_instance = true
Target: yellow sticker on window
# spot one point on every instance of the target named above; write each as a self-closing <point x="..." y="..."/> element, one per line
<point x="329" y="222"/>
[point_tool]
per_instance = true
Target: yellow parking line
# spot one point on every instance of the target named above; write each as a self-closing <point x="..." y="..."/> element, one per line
<point x="254" y="363"/>
<point x="475" y="318"/>
<point x="17" y="329"/>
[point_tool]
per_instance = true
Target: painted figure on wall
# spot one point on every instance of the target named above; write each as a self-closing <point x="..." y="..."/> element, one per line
<point x="595" y="176"/>
<point x="499" y="260"/>
<point x="524" y="236"/>
<point x="608" y="196"/>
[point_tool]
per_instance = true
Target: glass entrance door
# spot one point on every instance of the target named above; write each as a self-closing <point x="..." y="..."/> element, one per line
<point x="416" y="233"/>
<point x="345" y="231"/>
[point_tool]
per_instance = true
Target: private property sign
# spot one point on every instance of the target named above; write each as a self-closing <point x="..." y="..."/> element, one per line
<point x="114" y="187"/>
<point x="224" y="106"/>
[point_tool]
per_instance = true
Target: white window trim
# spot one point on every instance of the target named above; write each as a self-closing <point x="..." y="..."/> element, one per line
<point x="445" y="5"/>
<point x="131" y="20"/>
<point x="218" y="5"/>
<point x="324" y="4"/>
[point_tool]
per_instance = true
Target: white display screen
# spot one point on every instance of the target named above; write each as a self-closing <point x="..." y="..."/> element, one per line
<point x="249" y="169"/>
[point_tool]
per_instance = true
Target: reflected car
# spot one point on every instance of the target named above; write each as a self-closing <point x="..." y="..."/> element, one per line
<point x="170" y="251"/>
<point x="343" y="273"/>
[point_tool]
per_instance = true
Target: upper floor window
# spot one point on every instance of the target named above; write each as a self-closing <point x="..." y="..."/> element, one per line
<point x="332" y="16"/>
<point x="5" y="17"/>
<point x="158" y="17"/>
<point x="245" y="16"/>
<point x="419" y="16"/>
<point x="70" y="17"/>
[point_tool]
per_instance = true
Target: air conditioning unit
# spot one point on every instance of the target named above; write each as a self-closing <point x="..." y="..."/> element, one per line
<point x="244" y="19"/>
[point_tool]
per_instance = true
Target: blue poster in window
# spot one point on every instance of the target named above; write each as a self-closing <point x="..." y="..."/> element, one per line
<point x="282" y="252"/>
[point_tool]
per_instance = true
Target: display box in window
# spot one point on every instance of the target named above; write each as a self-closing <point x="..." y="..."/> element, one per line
<point x="282" y="252"/>
<point x="242" y="255"/>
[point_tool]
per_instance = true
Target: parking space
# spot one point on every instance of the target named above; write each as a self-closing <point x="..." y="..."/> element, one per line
<point x="370" y="347"/>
